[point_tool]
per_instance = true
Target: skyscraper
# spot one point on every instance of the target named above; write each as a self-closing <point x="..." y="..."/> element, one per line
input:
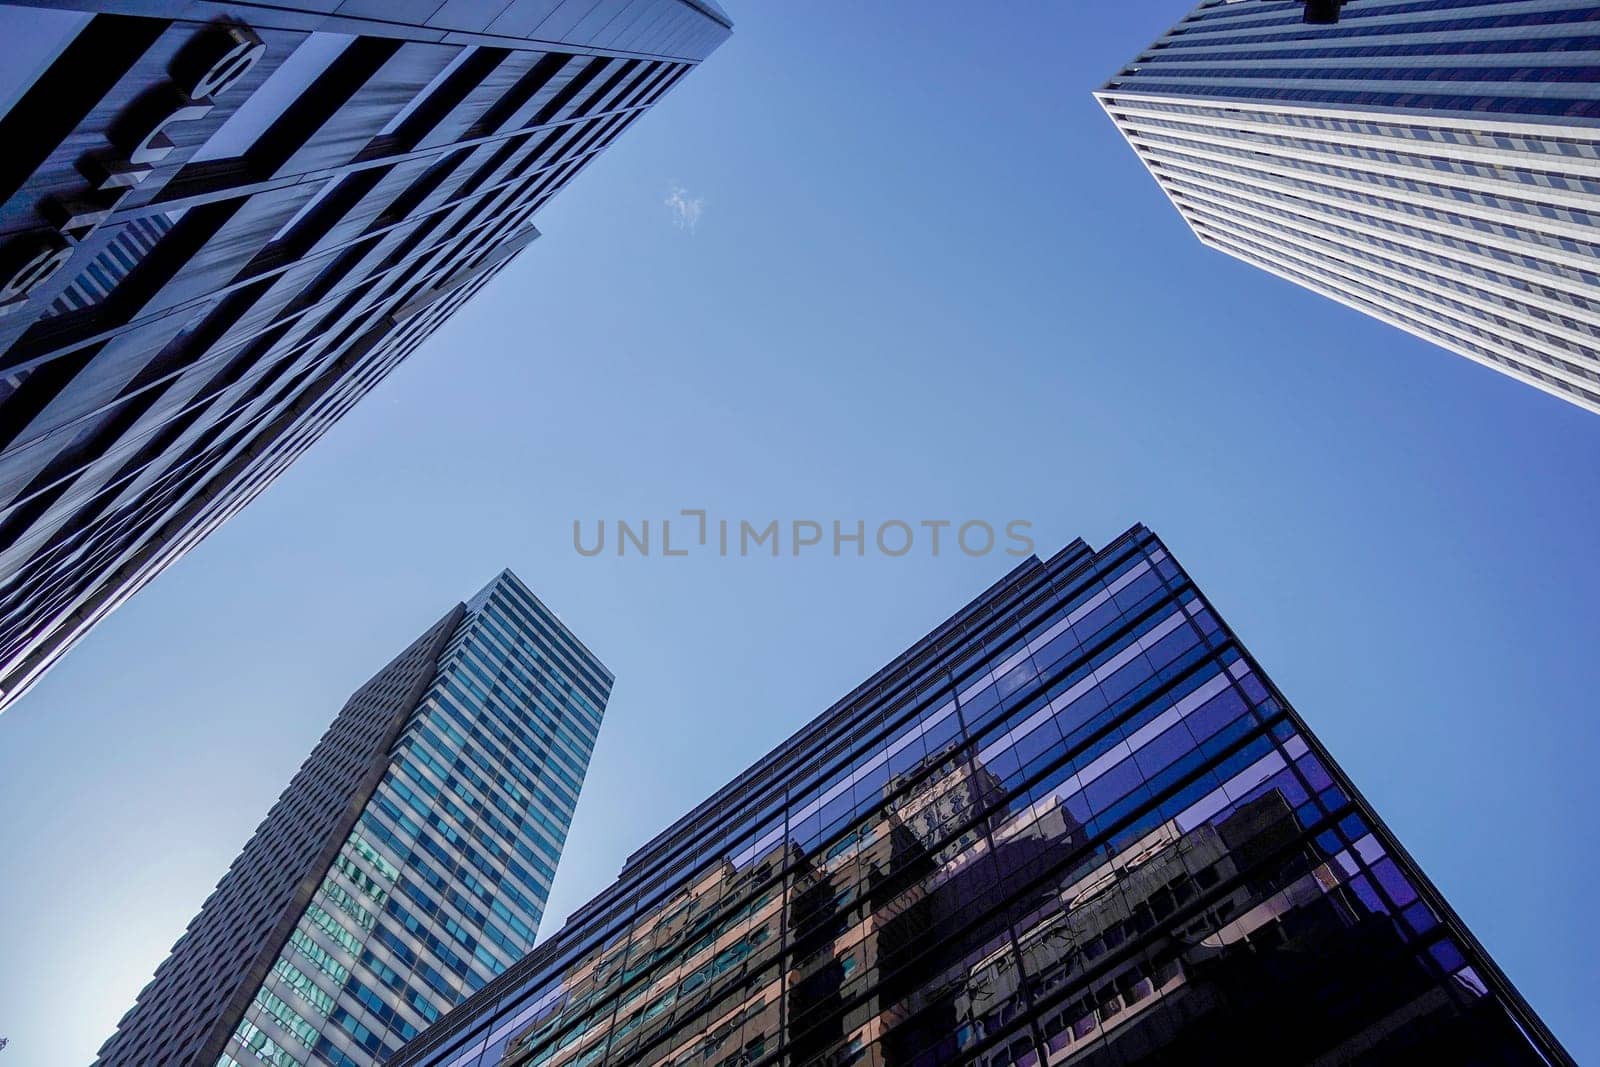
<point x="406" y="865"/>
<point x="1435" y="165"/>
<point x="218" y="235"/>
<point x="1076" y="823"/>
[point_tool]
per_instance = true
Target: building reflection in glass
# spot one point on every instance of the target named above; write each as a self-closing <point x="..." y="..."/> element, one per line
<point x="1074" y="825"/>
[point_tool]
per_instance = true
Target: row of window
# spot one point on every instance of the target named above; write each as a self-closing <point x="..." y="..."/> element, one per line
<point x="1312" y="226"/>
<point x="1479" y="103"/>
<point x="1189" y="51"/>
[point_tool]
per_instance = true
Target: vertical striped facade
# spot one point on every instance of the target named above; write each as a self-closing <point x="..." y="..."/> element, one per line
<point x="407" y="864"/>
<point x="102" y="274"/>
<point x="1433" y="164"/>
<point x="202" y="268"/>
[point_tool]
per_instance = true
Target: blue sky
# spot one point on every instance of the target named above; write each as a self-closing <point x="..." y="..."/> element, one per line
<point x="927" y="280"/>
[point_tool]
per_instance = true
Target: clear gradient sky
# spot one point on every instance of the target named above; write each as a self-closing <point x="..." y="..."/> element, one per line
<point x="928" y="280"/>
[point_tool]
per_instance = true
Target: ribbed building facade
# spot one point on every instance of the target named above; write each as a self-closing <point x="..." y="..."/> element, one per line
<point x="1075" y="824"/>
<point x="1435" y="165"/>
<point x="222" y="224"/>
<point x="407" y="864"/>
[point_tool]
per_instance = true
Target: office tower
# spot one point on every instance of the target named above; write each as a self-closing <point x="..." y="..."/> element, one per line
<point x="1435" y="165"/>
<point x="1076" y="823"/>
<point x="407" y="863"/>
<point x="223" y="224"/>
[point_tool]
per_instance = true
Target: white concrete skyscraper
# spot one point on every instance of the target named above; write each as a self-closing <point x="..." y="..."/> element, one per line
<point x="1435" y="165"/>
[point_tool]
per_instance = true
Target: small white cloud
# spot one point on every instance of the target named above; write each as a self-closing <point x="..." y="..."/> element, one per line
<point x="686" y="210"/>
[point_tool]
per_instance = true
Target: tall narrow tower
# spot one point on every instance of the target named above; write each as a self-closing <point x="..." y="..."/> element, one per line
<point x="1434" y="165"/>
<point x="406" y="865"/>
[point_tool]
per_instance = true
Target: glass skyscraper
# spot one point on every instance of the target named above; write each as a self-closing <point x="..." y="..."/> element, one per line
<point x="406" y="865"/>
<point x="1075" y="824"/>
<point x="222" y="224"/>
<point x="1435" y="165"/>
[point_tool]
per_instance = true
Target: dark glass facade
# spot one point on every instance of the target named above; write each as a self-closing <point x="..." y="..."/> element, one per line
<point x="222" y="224"/>
<point x="1074" y="824"/>
<point x="405" y="866"/>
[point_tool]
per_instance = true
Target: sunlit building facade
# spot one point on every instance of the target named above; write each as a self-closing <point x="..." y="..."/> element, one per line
<point x="406" y="865"/>
<point x="1076" y="823"/>
<point x="1434" y="165"/>
<point x="221" y="225"/>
